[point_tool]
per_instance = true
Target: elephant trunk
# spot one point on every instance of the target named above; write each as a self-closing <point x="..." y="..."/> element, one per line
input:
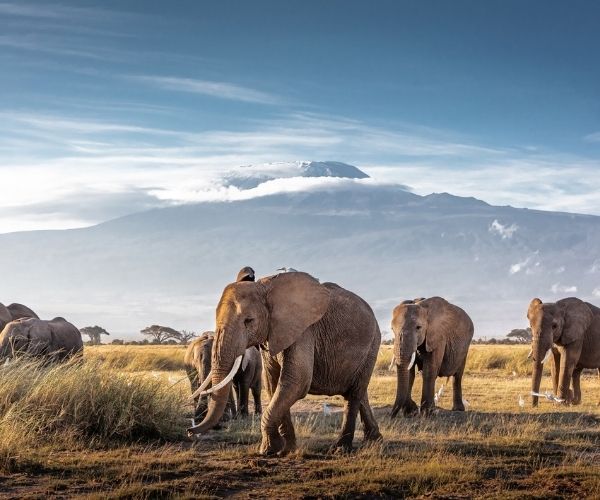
<point x="402" y="375"/>
<point x="539" y="353"/>
<point x="404" y="351"/>
<point x="226" y="361"/>
<point x="536" y="379"/>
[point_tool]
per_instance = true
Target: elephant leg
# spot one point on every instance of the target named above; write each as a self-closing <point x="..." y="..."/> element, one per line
<point x="555" y="369"/>
<point x="351" y="409"/>
<point x="286" y="430"/>
<point x="431" y="366"/>
<point x="256" y="397"/>
<point x="371" y="428"/>
<point x="243" y="408"/>
<point x="295" y="377"/>
<point x="577" y="386"/>
<point x="457" y="404"/>
<point x="411" y="408"/>
<point x="567" y="363"/>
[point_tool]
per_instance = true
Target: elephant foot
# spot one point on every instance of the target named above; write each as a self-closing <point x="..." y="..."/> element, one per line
<point x="427" y="410"/>
<point x="409" y="409"/>
<point x="272" y="446"/>
<point x="458" y="407"/>
<point x="289" y="447"/>
<point x="373" y="436"/>
<point x="342" y="445"/>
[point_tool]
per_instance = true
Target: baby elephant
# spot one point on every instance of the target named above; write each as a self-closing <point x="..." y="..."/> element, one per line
<point x="248" y="378"/>
<point x="435" y="335"/>
<point x="57" y="340"/>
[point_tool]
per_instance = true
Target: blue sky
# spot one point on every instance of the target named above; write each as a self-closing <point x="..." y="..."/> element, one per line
<point x="112" y="107"/>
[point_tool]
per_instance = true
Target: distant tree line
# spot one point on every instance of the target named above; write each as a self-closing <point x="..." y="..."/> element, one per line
<point x="155" y="334"/>
<point x="514" y="337"/>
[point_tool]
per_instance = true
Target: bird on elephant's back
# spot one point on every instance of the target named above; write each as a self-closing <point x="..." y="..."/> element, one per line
<point x="433" y="335"/>
<point x="568" y="333"/>
<point x="56" y="340"/>
<point x="317" y="338"/>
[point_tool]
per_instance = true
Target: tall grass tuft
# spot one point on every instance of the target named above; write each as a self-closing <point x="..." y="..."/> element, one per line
<point x="82" y="401"/>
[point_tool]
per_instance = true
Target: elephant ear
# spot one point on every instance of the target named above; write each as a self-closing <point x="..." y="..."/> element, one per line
<point x="578" y="318"/>
<point x="440" y="320"/>
<point x="532" y="305"/>
<point x="295" y="301"/>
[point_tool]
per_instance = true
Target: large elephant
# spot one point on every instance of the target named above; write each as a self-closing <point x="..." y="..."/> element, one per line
<point x="572" y="327"/>
<point x="56" y="339"/>
<point x="14" y="311"/>
<point x="434" y="335"/>
<point x="198" y="366"/>
<point x="316" y="338"/>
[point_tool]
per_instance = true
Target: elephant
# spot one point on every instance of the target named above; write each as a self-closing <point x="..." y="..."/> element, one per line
<point x="434" y="335"/>
<point x="197" y="362"/>
<point x="315" y="339"/>
<point x="569" y="331"/>
<point x="14" y="311"/>
<point x="56" y="339"/>
<point x="19" y="311"/>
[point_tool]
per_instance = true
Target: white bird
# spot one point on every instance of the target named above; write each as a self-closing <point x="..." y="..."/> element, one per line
<point x="287" y="270"/>
<point x="326" y="409"/>
<point x="521" y="402"/>
<point x="439" y="394"/>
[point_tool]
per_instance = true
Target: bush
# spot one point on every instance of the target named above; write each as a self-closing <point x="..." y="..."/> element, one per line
<point x="81" y="401"/>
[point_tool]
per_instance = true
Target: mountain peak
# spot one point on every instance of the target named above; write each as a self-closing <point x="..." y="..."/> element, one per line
<point x="251" y="176"/>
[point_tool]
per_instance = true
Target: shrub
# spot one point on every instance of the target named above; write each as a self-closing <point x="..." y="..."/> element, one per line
<point x="81" y="401"/>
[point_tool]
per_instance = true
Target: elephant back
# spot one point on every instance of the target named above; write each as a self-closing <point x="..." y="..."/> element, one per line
<point x="18" y="311"/>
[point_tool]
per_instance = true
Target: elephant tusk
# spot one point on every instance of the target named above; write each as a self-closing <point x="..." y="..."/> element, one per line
<point x="392" y="363"/>
<point x="547" y="356"/>
<point x="530" y="354"/>
<point x="412" y="360"/>
<point x="203" y="386"/>
<point x="227" y="379"/>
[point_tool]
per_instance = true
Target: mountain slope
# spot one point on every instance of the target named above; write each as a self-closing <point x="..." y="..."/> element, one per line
<point x="386" y="244"/>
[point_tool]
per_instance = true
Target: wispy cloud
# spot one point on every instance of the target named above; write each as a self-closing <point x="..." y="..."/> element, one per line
<point x="594" y="137"/>
<point x="71" y="155"/>
<point x="222" y="90"/>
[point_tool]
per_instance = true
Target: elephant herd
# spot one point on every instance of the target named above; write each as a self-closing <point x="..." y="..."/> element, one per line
<point x="319" y="338"/>
<point x="299" y="336"/>
<point x="23" y="332"/>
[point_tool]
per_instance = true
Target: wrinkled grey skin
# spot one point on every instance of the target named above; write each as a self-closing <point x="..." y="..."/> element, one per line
<point x="440" y="333"/>
<point x="57" y="339"/>
<point x="248" y="378"/>
<point x="317" y="338"/>
<point x="571" y="329"/>
<point x="14" y="311"/>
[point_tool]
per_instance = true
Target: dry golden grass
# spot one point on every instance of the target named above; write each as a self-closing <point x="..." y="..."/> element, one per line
<point x="494" y="450"/>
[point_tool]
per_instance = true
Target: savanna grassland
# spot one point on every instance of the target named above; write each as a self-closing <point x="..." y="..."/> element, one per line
<point x="114" y="426"/>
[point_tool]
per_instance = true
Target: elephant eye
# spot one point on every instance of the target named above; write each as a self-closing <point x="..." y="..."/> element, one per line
<point x="554" y="325"/>
<point x="248" y="321"/>
<point x="418" y="327"/>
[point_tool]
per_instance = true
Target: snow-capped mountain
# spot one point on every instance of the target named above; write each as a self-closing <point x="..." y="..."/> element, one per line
<point x="251" y="176"/>
<point x="169" y="265"/>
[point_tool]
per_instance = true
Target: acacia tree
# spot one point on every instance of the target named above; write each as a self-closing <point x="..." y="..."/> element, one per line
<point x="94" y="333"/>
<point x="160" y="333"/>
<point x="521" y="335"/>
<point x="185" y="336"/>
